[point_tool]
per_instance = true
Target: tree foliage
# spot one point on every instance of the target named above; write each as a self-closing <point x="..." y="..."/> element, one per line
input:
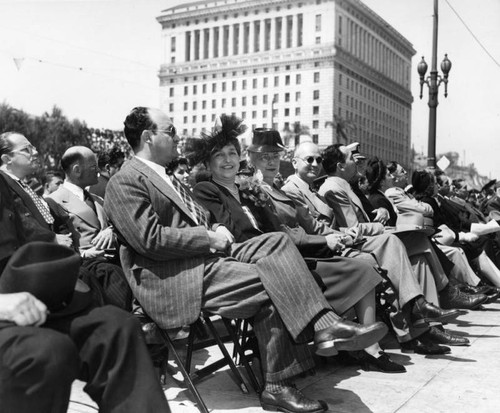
<point x="52" y="133"/>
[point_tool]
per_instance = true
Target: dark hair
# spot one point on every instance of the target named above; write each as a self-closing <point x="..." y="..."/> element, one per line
<point x="172" y="166"/>
<point x="69" y="159"/>
<point x="332" y="155"/>
<point x="223" y="134"/>
<point x="5" y="144"/>
<point x="392" y="166"/>
<point x="109" y="157"/>
<point x="423" y="184"/>
<point x="137" y="121"/>
<point x="49" y="175"/>
<point x="375" y="174"/>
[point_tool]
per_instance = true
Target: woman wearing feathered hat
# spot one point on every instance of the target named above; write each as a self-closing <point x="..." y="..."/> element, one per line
<point x="247" y="208"/>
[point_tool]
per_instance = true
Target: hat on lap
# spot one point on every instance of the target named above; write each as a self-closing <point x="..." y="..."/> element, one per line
<point x="49" y="272"/>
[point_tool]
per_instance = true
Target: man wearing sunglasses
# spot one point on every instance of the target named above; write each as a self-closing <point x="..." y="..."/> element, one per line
<point x="414" y="312"/>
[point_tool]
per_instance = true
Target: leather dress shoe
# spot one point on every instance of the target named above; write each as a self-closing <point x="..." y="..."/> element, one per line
<point x="424" y="347"/>
<point x="382" y="363"/>
<point x="349" y="336"/>
<point x="492" y="292"/>
<point x="452" y="297"/>
<point x="440" y="336"/>
<point x="425" y="312"/>
<point x="290" y="400"/>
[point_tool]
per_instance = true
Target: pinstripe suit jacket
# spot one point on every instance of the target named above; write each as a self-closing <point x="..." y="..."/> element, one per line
<point x="163" y="251"/>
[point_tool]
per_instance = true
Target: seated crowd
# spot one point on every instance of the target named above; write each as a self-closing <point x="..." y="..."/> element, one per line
<point x="326" y="260"/>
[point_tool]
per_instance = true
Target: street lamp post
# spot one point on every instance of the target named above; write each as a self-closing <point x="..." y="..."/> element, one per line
<point x="433" y="81"/>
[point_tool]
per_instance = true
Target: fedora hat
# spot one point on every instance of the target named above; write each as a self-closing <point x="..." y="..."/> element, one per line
<point x="266" y="140"/>
<point x="49" y="272"/>
<point x="412" y="221"/>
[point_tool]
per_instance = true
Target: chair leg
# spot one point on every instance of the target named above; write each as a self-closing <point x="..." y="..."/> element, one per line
<point x="225" y="353"/>
<point x="187" y="378"/>
<point x="242" y="357"/>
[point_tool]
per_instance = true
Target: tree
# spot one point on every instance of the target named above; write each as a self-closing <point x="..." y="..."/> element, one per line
<point x="342" y="128"/>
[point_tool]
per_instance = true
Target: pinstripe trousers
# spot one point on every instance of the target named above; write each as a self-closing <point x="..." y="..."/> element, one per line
<point x="267" y="279"/>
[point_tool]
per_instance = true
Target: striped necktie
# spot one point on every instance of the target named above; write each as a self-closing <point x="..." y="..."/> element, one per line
<point x="197" y="211"/>
<point x="44" y="210"/>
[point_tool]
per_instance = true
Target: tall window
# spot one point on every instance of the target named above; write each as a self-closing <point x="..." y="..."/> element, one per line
<point x="278" y="26"/>
<point x="318" y="22"/>
<point x="316" y="94"/>
<point x="316" y="77"/>
<point x="172" y="44"/>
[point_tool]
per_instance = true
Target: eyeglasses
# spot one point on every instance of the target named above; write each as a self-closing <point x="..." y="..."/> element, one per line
<point x="29" y="150"/>
<point x="267" y="157"/>
<point x="170" y="131"/>
<point x="310" y="159"/>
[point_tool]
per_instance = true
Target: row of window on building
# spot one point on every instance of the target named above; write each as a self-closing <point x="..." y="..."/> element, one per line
<point x="374" y="52"/>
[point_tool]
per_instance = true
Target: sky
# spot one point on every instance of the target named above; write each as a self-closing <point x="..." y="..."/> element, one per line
<point x="96" y="59"/>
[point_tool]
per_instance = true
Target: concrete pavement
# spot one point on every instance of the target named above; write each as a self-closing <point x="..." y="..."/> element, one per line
<point x="467" y="380"/>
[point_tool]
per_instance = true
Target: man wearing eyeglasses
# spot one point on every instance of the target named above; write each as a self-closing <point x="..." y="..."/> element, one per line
<point x="18" y="160"/>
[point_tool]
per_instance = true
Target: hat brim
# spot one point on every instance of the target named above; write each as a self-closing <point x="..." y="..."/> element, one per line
<point x="80" y="302"/>
<point x="400" y="230"/>
<point x="265" y="148"/>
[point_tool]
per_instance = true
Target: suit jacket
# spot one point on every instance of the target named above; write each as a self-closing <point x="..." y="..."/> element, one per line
<point x="347" y="206"/>
<point x="85" y="223"/>
<point x="163" y="251"/>
<point x="300" y="192"/>
<point x="35" y="228"/>
<point x="379" y="200"/>
<point x="11" y="233"/>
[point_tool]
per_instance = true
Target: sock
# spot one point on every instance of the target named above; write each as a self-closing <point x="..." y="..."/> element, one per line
<point x="324" y="319"/>
<point x="276" y="386"/>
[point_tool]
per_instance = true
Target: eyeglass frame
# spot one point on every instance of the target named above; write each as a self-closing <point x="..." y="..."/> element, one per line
<point x="31" y="150"/>
<point x="171" y="131"/>
<point x="310" y="159"/>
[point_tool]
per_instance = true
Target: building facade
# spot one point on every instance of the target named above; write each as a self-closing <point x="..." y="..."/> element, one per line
<point x="328" y="70"/>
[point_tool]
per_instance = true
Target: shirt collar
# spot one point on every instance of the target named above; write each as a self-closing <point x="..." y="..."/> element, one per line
<point x="74" y="189"/>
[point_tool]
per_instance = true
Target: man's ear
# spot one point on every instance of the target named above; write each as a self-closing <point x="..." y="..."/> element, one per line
<point x="146" y="136"/>
<point x="294" y="163"/>
<point x="340" y="166"/>
<point x="5" y="158"/>
<point x="76" y="169"/>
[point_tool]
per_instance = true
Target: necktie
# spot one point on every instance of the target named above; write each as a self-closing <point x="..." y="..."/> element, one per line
<point x="89" y="201"/>
<point x="198" y="212"/>
<point x="44" y="210"/>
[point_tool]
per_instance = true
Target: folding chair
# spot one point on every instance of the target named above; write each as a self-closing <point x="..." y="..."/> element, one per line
<point x="190" y="378"/>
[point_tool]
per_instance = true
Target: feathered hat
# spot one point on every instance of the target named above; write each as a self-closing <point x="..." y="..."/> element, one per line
<point x="225" y="131"/>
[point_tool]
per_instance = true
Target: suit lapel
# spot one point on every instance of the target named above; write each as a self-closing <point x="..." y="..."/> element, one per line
<point x="79" y="208"/>
<point x="158" y="182"/>
<point x="28" y="202"/>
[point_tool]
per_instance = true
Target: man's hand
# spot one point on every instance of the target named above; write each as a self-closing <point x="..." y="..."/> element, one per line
<point x="467" y="237"/>
<point x="382" y="215"/>
<point x="444" y="237"/>
<point x="64" y="239"/>
<point x="354" y="233"/>
<point x="105" y="239"/>
<point x="221" y="229"/>
<point x="92" y="252"/>
<point x="335" y="242"/>
<point x="23" y="309"/>
<point x="218" y="241"/>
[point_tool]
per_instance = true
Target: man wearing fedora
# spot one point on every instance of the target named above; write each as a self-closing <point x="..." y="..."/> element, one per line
<point x="50" y="334"/>
<point x="178" y="263"/>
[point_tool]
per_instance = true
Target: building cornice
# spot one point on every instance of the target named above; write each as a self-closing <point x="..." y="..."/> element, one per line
<point x="289" y="56"/>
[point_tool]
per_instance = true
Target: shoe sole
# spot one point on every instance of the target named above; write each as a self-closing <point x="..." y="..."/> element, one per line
<point x="358" y="342"/>
<point x="442" y="319"/>
<point x="273" y="408"/>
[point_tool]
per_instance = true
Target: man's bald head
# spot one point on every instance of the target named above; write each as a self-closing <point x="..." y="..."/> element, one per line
<point x="307" y="161"/>
<point x="79" y="164"/>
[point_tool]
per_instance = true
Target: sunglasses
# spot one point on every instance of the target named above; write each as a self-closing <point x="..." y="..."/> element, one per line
<point x="310" y="159"/>
<point x="170" y="131"/>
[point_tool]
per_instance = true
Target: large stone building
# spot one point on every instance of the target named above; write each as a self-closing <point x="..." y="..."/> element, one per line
<point x="328" y="64"/>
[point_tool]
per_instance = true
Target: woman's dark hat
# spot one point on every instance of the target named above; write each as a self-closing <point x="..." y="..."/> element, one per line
<point x="49" y="272"/>
<point x="266" y="140"/>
